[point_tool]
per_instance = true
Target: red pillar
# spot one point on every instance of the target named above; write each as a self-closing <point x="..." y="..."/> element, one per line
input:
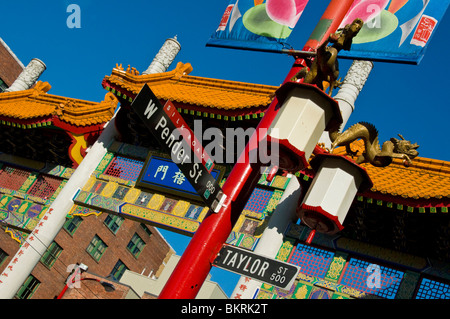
<point x="196" y="262"/>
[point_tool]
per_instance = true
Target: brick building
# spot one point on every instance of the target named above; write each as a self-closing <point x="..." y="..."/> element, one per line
<point x="10" y="66"/>
<point x="44" y="138"/>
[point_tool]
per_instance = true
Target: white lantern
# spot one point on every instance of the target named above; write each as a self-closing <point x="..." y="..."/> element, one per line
<point x="332" y="192"/>
<point x="305" y="112"/>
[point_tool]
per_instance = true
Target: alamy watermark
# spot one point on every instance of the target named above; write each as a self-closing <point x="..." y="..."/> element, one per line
<point x="221" y="147"/>
<point x="74" y="279"/>
<point x="74" y="19"/>
<point x="374" y="279"/>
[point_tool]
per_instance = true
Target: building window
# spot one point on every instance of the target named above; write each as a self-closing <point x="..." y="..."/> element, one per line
<point x="3" y="86"/>
<point x="146" y="229"/>
<point x="118" y="270"/>
<point x="13" y="178"/>
<point x="28" y="288"/>
<point x="3" y="256"/>
<point x="96" y="248"/>
<point x="45" y="186"/>
<point x="113" y="222"/>
<point x="136" y="245"/>
<point x="124" y="168"/>
<point x="52" y="253"/>
<point x="432" y="289"/>
<point x="72" y="224"/>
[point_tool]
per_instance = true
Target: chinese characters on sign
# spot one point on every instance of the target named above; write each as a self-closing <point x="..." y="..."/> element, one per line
<point x="161" y="174"/>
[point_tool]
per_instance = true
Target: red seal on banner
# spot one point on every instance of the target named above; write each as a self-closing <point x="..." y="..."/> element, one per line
<point x="424" y="30"/>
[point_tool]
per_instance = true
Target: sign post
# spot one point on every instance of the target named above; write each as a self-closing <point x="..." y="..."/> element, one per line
<point x="249" y="264"/>
<point x="196" y="261"/>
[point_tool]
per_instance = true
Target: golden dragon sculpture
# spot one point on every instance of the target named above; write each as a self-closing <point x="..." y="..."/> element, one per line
<point x="373" y="154"/>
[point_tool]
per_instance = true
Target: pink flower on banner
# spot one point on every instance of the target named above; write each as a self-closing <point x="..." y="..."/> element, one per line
<point x="285" y="12"/>
<point x="365" y="10"/>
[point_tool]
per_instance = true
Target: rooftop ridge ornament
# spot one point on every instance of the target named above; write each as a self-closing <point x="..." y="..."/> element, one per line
<point x="373" y="154"/>
<point x="324" y="67"/>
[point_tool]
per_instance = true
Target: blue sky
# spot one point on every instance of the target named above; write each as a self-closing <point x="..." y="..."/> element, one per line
<point x="407" y="99"/>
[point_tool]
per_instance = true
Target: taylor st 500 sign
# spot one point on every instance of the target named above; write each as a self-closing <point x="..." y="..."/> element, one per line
<point x="249" y="264"/>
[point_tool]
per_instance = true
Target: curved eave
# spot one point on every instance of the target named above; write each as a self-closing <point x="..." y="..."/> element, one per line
<point x="35" y="108"/>
<point x="195" y="93"/>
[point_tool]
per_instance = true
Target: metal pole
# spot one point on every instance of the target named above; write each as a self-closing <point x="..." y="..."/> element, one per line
<point x="196" y="262"/>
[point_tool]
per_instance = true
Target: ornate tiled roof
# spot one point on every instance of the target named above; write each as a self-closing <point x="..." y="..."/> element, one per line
<point x="178" y="86"/>
<point x="426" y="180"/>
<point x="33" y="107"/>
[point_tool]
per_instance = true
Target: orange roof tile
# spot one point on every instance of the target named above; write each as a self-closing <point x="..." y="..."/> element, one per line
<point x="36" y="105"/>
<point x="178" y="86"/>
<point x="424" y="179"/>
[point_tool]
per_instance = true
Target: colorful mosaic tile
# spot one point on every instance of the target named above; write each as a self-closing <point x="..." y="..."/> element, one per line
<point x="312" y="261"/>
<point x="193" y="212"/>
<point x="132" y="195"/>
<point x="180" y="224"/>
<point x="370" y="278"/>
<point x="78" y="210"/>
<point x="180" y="208"/>
<point x="104" y="163"/>
<point x="168" y="205"/>
<point x="263" y="294"/>
<point x="336" y="267"/>
<point x="302" y="291"/>
<point x="124" y="168"/>
<point x="431" y="289"/>
<point x="337" y="295"/>
<point x="248" y="242"/>
<point x="285" y="250"/>
<point x="284" y="294"/>
<point x="273" y="202"/>
<point x="232" y="238"/>
<point x="249" y="226"/>
<point x="120" y="192"/>
<point x="280" y="182"/>
<point x="258" y="200"/>
<point x="21" y="212"/>
<point x="319" y="293"/>
<point x="109" y="189"/>
<point x="143" y="199"/>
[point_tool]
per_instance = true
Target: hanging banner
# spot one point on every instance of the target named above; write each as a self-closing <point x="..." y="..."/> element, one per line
<point x="262" y="25"/>
<point x="394" y="30"/>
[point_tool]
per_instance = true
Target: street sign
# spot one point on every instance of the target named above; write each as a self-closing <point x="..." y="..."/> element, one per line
<point x="175" y="136"/>
<point x="161" y="174"/>
<point x="246" y="263"/>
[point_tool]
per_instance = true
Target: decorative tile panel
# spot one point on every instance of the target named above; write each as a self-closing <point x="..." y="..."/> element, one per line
<point x="313" y="261"/>
<point x="431" y="289"/>
<point x="371" y="278"/>
<point x="258" y="200"/>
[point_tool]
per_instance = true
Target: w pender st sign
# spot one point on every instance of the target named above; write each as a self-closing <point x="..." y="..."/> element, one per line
<point x="249" y="264"/>
<point x="175" y="136"/>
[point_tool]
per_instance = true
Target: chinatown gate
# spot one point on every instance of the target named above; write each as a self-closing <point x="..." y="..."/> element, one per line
<point x="386" y="240"/>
